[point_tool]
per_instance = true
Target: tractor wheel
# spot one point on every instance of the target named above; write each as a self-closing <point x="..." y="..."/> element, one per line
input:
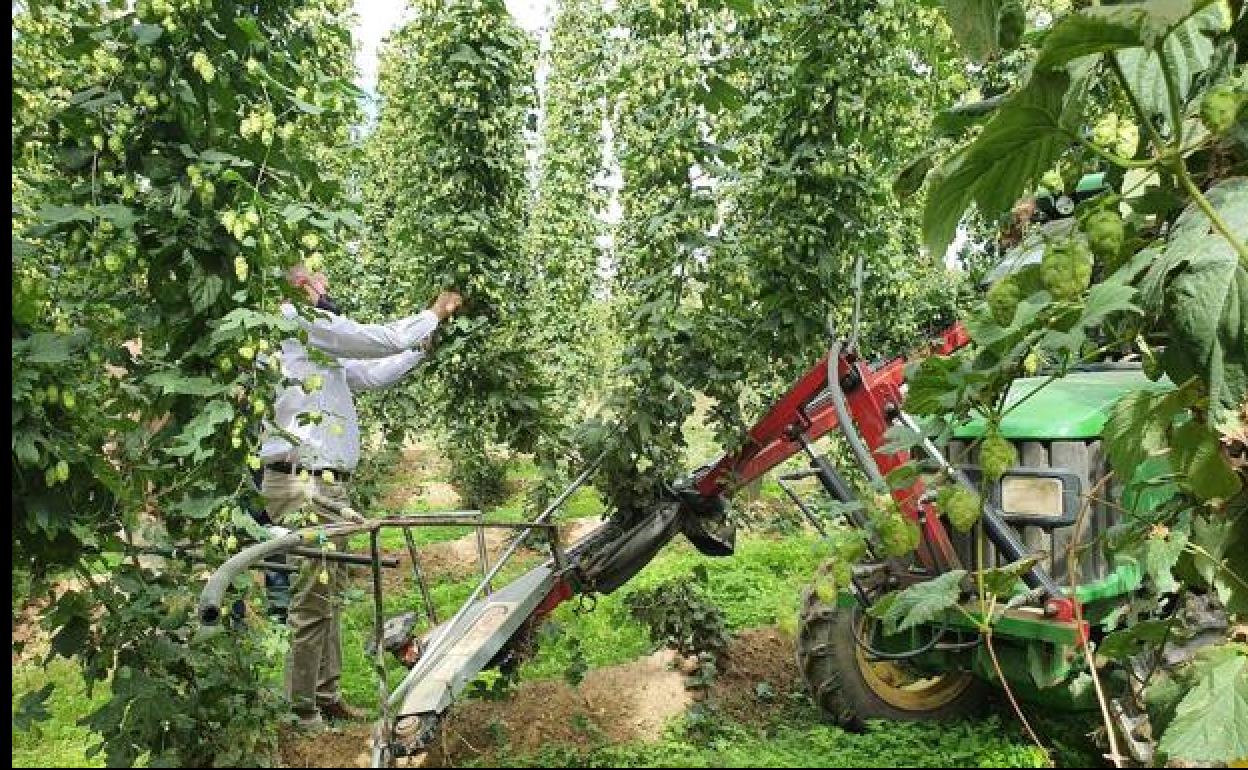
<point x="851" y="689"/>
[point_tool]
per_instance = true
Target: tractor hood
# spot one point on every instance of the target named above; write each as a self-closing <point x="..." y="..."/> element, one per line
<point x="1074" y="407"/>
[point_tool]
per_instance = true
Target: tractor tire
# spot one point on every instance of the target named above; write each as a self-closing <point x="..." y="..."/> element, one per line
<point x="850" y="689"/>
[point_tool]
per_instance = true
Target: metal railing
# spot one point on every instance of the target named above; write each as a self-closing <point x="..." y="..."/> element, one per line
<point x="303" y="542"/>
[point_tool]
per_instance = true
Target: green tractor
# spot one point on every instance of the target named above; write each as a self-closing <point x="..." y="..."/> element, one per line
<point x="1054" y="500"/>
<point x="1047" y="521"/>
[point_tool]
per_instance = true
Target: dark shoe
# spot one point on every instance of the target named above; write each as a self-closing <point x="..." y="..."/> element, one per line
<point x="340" y="709"/>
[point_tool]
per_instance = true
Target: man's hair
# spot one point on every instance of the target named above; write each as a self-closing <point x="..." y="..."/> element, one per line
<point x="298" y="274"/>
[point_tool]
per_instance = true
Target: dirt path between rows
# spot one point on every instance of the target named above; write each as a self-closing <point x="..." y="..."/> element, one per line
<point x="615" y="704"/>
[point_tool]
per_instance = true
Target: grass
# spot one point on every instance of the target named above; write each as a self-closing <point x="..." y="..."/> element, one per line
<point x="804" y="741"/>
<point x="57" y="741"/>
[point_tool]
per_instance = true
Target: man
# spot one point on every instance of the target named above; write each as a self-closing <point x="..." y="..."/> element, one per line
<point x="310" y="451"/>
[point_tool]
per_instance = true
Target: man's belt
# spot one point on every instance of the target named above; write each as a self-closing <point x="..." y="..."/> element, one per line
<point x="294" y="470"/>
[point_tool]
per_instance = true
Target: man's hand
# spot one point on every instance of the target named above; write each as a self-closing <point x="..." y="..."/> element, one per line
<point x="446" y="304"/>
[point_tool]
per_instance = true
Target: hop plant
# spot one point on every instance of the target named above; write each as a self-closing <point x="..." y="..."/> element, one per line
<point x="1066" y="269"/>
<point x="1003" y="300"/>
<point x="1105" y="234"/>
<point x="1218" y="108"/>
<point x="963" y="506"/>
<point x="996" y="456"/>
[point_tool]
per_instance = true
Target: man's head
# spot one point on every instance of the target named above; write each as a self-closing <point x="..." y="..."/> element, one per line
<point x="314" y="285"/>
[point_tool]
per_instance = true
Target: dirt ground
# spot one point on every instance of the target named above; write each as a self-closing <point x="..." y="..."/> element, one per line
<point x="30" y="639"/>
<point x="614" y="704"/>
<point x="756" y="656"/>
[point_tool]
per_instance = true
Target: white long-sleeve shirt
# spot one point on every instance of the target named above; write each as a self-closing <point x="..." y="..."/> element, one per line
<point x="368" y="356"/>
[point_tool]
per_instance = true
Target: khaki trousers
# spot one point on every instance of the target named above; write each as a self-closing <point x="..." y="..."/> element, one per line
<point x="315" y="662"/>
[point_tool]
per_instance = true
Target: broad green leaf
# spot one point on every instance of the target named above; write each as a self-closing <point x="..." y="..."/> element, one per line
<point x="72" y="637"/>
<point x="932" y="390"/>
<point x="48" y="348"/>
<point x="1188" y="51"/>
<point x="250" y="28"/>
<point x="1219" y="536"/>
<point x="974" y="25"/>
<point x="1023" y="140"/>
<point x="1211" y="723"/>
<point x="216" y="156"/>
<point x="921" y="602"/>
<point x="954" y="122"/>
<point x="1198" y="454"/>
<point x="204" y="289"/>
<point x="1158" y="554"/>
<point x="1204" y="290"/>
<point x="912" y="175"/>
<point x="900" y="438"/>
<point x="1104" y="300"/>
<point x="1129" y="641"/>
<point x="1114" y="27"/>
<point x="465" y="53"/>
<point x="62" y="214"/>
<point x="1139" y="424"/>
<point x="719" y="94"/>
<point x="903" y="476"/>
<point x="1001" y="581"/>
<point x="201" y="427"/>
<point x="172" y="381"/>
<point x="32" y="707"/>
<point x="146" y="34"/>
<point x="121" y="216"/>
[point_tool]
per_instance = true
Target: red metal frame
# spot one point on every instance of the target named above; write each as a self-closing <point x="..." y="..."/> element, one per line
<point x="877" y="394"/>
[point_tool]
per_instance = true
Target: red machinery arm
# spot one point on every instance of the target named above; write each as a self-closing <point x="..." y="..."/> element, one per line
<point x="877" y="392"/>
<point x="873" y="397"/>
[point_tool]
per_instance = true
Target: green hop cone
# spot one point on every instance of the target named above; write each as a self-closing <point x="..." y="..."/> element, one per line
<point x="1218" y="108"/>
<point x="1003" y="300"/>
<point x="1066" y="269"/>
<point x="996" y="456"/>
<point x="899" y="535"/>
<point x="849" y="546"/>
<point x="1105" y="235"/>
<point x="961" y="505"/>
<point x="825" y="589"/>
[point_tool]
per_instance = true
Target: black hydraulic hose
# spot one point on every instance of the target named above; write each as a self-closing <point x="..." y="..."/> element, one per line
<point x="855" y="612"/>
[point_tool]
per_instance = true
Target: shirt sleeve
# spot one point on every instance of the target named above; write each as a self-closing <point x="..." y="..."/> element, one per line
<point x="340" y="336"/>
<point x="373" y="373"/>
